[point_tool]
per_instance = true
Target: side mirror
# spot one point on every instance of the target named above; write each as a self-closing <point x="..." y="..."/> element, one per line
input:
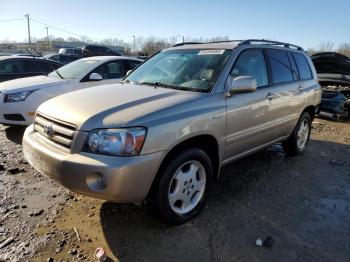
<point x="95" y="77"/>
<point x="240" y="84"/>
<point x="128" y="73"/>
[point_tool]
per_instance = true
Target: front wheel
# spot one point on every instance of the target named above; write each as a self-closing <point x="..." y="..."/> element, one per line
<point x="297" y="141"/>
<point x="180" y="191"/>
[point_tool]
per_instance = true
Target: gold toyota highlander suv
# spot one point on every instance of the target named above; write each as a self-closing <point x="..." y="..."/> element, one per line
<point x="166" y="130"/>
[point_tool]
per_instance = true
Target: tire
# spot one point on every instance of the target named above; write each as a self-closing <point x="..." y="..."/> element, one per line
<point x="296" y="144"/>
<point x="179" y="180"/>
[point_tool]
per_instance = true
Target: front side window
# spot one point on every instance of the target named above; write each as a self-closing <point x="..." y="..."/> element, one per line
<point x="75" y="69"/>
<point x="47" y="67"/>
<point x="186" y="69"/>
<point x="281" y="70"/>
<point x="303" y="66"/>
<point x="111" y="70"/>
<point x="251" y="63"/>
<point x="32" y="66"/>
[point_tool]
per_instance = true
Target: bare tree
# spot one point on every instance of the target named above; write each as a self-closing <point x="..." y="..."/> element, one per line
<point x="344" y="49"/>
<point x="325" y="46"/>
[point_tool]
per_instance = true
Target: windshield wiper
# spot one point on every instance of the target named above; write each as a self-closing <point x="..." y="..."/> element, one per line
<point x="125" y="81"/>
<point x="159" y="84"/>
<point x="29" y="49"/>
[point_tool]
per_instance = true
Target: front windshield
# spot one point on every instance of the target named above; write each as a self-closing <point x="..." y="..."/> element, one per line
<point x="195" y="70"/>
<point x="75" y="69"/>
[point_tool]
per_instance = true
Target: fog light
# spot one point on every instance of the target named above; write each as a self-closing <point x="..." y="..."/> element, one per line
<point x="102" y="180"/>
<point x="96" y="181"/>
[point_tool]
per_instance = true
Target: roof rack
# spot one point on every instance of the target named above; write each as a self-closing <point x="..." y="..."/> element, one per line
<point x="187" y="43"/>
<point x="270" y="42"/>
<point x="246" y="42"/>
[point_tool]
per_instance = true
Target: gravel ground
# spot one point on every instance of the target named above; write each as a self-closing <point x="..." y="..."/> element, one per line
<point x="300" y="204"/>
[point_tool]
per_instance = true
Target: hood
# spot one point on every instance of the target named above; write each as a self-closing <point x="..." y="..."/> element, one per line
<point x="334" y="79"/>
<point x="332" y="68"/>
<point x="116" y="105"/>
<point x="30" y="83"/>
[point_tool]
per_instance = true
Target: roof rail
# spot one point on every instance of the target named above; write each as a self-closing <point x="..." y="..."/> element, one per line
<point x="187" y="43"/>
<point x="223" y="41"/>
<point x="269" y="42"/>
<point x="246" y="42"/>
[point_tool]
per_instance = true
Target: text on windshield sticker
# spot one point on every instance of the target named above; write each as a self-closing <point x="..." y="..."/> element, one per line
<point x="211" y="52"/>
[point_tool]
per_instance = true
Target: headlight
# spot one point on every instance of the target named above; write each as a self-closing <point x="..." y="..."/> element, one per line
<point x="118" y="142"/>
<point x="17" y="97"/>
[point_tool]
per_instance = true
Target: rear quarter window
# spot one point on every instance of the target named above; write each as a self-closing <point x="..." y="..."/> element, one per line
<point x="281" y="69"/>
<point x="303" y="66"/>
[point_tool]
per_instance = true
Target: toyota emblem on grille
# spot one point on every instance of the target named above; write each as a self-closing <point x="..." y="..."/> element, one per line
<point x="48" y="130"/>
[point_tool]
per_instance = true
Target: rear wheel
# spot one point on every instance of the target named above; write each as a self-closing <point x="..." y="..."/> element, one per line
<point x="180" y="191"/>
<point x="297" y="141"/>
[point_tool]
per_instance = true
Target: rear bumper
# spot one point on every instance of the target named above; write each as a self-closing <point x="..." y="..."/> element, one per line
<point x="121" y="179"/>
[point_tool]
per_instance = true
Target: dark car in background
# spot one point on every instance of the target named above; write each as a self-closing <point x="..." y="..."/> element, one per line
<point x="70" y="51"/>
<point x="64" y="59"/>
<point x="333" y="71"/>
<point x="12" y="67"/>
<point x="96" y="50"/>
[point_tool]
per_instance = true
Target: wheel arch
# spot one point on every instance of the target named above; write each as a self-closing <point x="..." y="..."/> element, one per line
<point x="208" y="143"/>
<point x="311" y="110"/>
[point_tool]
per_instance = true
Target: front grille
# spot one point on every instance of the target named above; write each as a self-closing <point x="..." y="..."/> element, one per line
<point x="58" y="132"/>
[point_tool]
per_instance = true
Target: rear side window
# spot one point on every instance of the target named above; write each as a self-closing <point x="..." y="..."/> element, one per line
<point x="12" y="67"/>
<point x="303" y="66"/>
<point x="251" y="63"/>
<point x="281" y="69"/>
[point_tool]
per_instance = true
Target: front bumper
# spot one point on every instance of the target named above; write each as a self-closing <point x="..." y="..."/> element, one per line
<point x="121" y="179"/>
<point x="20" y="108"/>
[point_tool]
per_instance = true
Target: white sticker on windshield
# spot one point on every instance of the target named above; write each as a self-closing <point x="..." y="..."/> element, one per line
<point x="212" y="52"/>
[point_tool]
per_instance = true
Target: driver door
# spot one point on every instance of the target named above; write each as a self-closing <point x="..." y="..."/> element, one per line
<point x="248" y="114"/>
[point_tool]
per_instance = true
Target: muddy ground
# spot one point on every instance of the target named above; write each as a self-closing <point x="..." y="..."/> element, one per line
<point x="302" y="203"/>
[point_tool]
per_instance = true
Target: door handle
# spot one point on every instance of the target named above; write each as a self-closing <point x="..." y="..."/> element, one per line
<point x="300" y="89"/>
<point x="270" y="96"/>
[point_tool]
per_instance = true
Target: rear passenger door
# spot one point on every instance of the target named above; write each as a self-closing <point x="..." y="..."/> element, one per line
<point x="286" y="96"/>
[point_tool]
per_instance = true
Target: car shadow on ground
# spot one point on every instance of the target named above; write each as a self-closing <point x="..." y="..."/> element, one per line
<point x="15" y="133"/>
<point x="265" y="194"/>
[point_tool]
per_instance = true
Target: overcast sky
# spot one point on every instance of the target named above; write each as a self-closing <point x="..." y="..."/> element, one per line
<point x="306" y="23"/>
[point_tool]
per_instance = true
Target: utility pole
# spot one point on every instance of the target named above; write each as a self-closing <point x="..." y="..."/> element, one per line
<point x="29" y="42"/>
<point x="47" y="35"/>
<point x="134" y="45"/>
<point x="183" y="39"/>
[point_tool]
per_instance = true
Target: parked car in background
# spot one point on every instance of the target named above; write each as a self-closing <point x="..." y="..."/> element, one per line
<point x="64" y="59"/>
<point x="20" y="98"/>
<point x="13" y="67"/>
<point x="70" y="51"/>
<point x="96" y="50"/>
<point x="333" y="72"/>
<point x="165" y="132"/>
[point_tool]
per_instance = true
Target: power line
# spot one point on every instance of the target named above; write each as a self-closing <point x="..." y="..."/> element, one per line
<point x="56" y="28"/>
<point x="11" y="20"/>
